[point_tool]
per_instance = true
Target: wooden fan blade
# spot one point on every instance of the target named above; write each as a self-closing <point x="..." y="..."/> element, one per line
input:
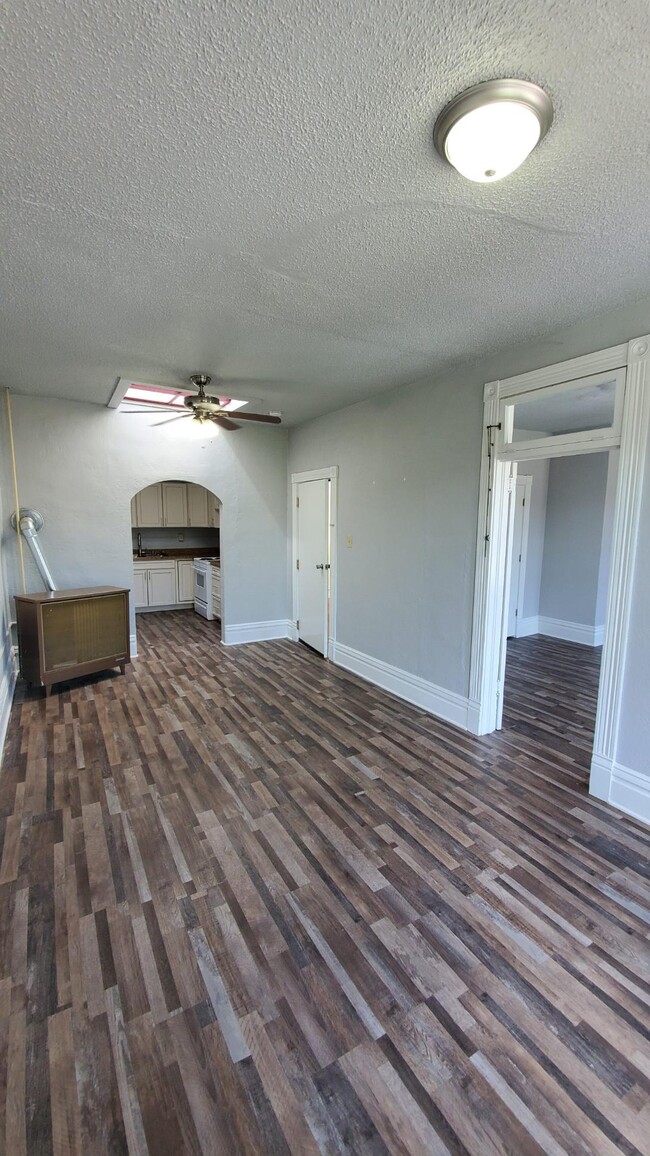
<point x="224" y="422"/>
<point x="170" y="419"/>
<point x="241" y="416"/>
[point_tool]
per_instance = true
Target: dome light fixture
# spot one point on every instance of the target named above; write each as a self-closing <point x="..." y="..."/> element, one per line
<point x="488" y="131"/>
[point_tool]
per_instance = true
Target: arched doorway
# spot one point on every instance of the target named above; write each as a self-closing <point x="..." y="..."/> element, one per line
<point x="175" y="541"/>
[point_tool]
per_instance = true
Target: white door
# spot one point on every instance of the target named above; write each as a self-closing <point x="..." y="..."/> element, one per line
<point x="162" y="586"/>
<point x="174" y="503"/>
<point x="518" y="565"/>
<point x="139" y="588"/>
<point x="313" y="572"/>
<point x="197" y="505"/>
<point x="149" y="506"/>
<point x="185" y="581"/>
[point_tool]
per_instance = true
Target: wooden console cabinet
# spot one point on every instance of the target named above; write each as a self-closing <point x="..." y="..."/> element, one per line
<point x="68" y="633"/>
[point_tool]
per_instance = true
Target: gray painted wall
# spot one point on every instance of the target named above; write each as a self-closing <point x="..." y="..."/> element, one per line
<point x="80" y="465"/>
<point x="573" y="539"/>
<point x="408" y="491"/>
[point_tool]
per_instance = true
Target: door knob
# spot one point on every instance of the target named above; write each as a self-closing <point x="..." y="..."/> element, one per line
<point x="320" y="566"/>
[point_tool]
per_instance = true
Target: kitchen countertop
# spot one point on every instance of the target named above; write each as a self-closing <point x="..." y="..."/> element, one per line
<point x="176" y="555"/>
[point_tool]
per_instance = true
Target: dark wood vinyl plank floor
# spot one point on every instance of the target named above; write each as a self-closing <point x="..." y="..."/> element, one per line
<point x="250" y="904"/>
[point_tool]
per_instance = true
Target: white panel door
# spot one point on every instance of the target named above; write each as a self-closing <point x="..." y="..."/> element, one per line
<point x="515" y="608"/>
<point x="197" y="505"/>
<point x="149" y="506"/>
<point x="313" y="558"/>
<point x="519" y="551"/>
<point x="185" y="581"/>
<point x="140" y="597"/>
<point x="174" y="503"/>
<point x="162" y="586"/>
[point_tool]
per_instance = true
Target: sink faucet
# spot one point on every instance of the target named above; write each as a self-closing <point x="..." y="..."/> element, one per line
<point x="139" y="545"/>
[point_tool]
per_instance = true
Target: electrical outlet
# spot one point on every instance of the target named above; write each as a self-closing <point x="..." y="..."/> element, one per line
<point x="181" y="537"/>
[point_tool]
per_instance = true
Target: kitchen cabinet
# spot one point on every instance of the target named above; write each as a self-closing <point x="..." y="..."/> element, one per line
<point x="155" y="583"/>
<point x="70" y="633"/>
<point x="140" y="589"/>
<point x="214" y="507"/>
<point x="216" y="591"/>
<point x="197" y="505"/>
<point x="174" y="503"/>
<point x="149" y="506"/>
<point x="185" y="580"/>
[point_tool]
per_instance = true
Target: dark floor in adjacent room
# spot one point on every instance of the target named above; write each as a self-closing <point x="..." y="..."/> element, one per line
<point x="250" y="904"/>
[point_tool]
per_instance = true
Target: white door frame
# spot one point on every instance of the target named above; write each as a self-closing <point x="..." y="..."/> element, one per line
<point x="527" y="481"/>
<point x="489" y="623"/>
<point x="330" y="474"/>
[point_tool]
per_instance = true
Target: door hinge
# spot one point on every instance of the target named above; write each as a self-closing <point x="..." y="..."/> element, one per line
<point x="297" y="502"/>
<point x="523" y="503"/>
<point x="520" y="557"/>
<point x="516" y="613"/>
<point x="297" y="624"/>
<point x="297" y="563"/>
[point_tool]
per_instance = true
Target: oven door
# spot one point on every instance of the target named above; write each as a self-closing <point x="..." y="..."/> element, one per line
<point x="200" y="584"/>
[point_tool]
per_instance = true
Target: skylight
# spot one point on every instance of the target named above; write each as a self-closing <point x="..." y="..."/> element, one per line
<point x="138" y="393"/>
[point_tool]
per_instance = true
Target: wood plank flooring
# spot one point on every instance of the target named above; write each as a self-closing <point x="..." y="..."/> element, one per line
<point x="249" y="904"/>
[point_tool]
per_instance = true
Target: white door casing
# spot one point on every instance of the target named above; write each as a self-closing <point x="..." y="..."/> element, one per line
<point x="489" y="623"/>
<point x="314" y="504"/>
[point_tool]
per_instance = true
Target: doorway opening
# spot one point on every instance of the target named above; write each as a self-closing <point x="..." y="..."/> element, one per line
<point x="542" y="414"/>
<point x="314" y="503"/>
<point x="561" y="521"/>
<point x="176" y="547"/>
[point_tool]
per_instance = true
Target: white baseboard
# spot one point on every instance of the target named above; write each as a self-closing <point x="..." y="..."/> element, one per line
<point x="256" y="632"/>
<point x="445" y="704"/>
<point x="621" y="786"/>
<point x="571" y="631"/>
<point x="133" y="645"/>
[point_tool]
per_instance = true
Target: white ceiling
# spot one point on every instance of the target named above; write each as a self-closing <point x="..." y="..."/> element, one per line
<point x="250" y="189"/>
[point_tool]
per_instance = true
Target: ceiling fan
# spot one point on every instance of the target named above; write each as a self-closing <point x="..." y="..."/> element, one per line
<point x="203" y="407"/>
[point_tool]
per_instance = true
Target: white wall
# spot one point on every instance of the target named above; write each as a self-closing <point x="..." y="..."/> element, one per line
<point x="81" y="464"/>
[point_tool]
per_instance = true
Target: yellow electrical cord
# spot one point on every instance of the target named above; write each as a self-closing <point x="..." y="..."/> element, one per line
<point x="16" y="498"/>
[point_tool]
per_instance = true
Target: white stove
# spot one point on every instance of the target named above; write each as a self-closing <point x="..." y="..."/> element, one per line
<point x="203" y="587"/>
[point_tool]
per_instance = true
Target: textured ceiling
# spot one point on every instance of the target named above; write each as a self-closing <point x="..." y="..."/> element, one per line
<point x="249" y="188"/>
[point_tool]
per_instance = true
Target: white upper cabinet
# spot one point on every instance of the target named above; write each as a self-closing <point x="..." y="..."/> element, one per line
<point x="174" y="503"/>
<point x="213" y="509"/>
<point x="149" y="506"/>
<point x="197" y="505"/>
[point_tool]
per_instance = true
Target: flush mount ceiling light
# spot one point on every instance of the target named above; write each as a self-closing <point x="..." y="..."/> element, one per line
<point x="488" y="131"/>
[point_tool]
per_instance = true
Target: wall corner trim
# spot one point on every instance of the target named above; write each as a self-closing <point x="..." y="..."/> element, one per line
<point x="444" y="704"/>
<point x="622" y="787"/>
<point x="242" y="632"/>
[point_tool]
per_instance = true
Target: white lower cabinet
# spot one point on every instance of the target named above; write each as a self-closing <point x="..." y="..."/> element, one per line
<point x="163" y="586"/>
<point x="185" y="580"/>
<point x="216" y="592"/>
<point x="159" y="584"/>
